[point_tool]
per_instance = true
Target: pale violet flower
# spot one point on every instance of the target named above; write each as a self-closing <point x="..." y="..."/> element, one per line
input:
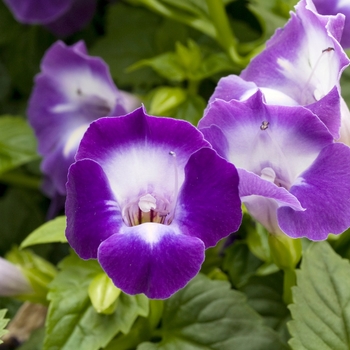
<point x="72" y="90"/>
<point x="293" y="177"/>
<point x="301" y="65"/>
<point x="145" y="197"/>
<point x="63" y="17"/>
<point x="12" y="281"/>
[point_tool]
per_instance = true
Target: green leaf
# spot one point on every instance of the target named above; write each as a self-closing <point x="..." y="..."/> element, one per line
<point x="51" y="231"/>
<point x="240" y="263"/>
<point x="321" y="309"/>
<point x="3" y="324"/>
<point x="209" y="315"/>
<point x="17" y="143"/>
<point x="265" y="296"/>
<point x="141" y="330"/>
<point x="166" y="65"/>
<point x="72" y="321"/>
<point x="164" y="99"/>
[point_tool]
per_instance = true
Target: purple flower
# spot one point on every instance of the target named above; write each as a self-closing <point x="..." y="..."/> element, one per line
<point x="12" y="281"/>
<point x="63" y="17"/>
<point x="72" y="90"/>
<point x="293" y="177"/>
<point x="301" y="65"/>
<point x="146" y="197"/>
<point x="327" y="7"/>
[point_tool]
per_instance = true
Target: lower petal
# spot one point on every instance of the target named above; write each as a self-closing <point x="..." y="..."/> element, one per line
<point x="152" y="259"/>
<point x="324" y="191"/>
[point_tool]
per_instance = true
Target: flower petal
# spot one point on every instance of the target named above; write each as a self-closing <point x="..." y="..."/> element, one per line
<point x="93" y="215"/>
<point x="262" y="198"/>
<point x="152" y="259"/>
<point x="209" y="206"/>
<point x="324" y="191"/>
<point x="79" y="14"/>
<point x="37" y="11"/>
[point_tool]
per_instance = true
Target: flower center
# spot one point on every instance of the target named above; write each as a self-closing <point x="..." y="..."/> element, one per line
<point x="318" y="92"/>
<point x="94" y="104"/>
<point x="269" y="174"/>
<point x="153" y="207"/>
<point x="148" y="208"/>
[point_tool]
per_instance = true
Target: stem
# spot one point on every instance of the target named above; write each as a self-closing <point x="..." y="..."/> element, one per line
<point x="288" y="282"/>
<point x="224" y="34"/>
<point x="192" y="87"/>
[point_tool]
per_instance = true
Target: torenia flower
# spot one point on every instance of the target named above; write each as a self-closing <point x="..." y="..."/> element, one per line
<point x="146" y="197"/>
<point x="326" y="7"/>
<point x="12" y="281"/>
<point x="293" y="177"/>
<point x="301" y="65"/>
<point x="72" y="90"/>
<point x="62" y="17"/>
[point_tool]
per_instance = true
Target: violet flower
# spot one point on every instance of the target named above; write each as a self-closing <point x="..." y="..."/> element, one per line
<point x="146" y="197"/>
<point x="293" y="177"/>
<point x="62" y="17"/>
<point x="12" y="281"/>
<point x="333" y="7"/>
<point x="301" y="65"/>
<point x="72" y="90"/>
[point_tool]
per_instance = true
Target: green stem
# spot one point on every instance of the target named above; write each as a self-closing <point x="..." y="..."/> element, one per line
<point x="224" y="33"/>
<point x="192" y="87"/>
<point x="192" y="20"/>
<point x="288" y="282"/>
<point x="20" y="180"/>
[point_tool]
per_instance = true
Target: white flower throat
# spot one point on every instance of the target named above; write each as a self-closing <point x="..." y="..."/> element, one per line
<point x="153" y="207"/>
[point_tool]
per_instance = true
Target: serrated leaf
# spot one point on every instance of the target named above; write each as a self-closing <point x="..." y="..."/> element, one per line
<point x="321" y="309"/>
<point x="209" y="315"/>
<point x="17" y="143"/>
<point x="51" y="231"/>
<point x="141" y="330"/>
<point x="265" y="295"/>
<point x="72" y="322"/>
<point x="3" y="324"/>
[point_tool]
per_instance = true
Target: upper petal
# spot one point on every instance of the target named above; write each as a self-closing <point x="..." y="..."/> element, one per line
<point x="289" y="143"/>
<point x="141" y="153"/>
